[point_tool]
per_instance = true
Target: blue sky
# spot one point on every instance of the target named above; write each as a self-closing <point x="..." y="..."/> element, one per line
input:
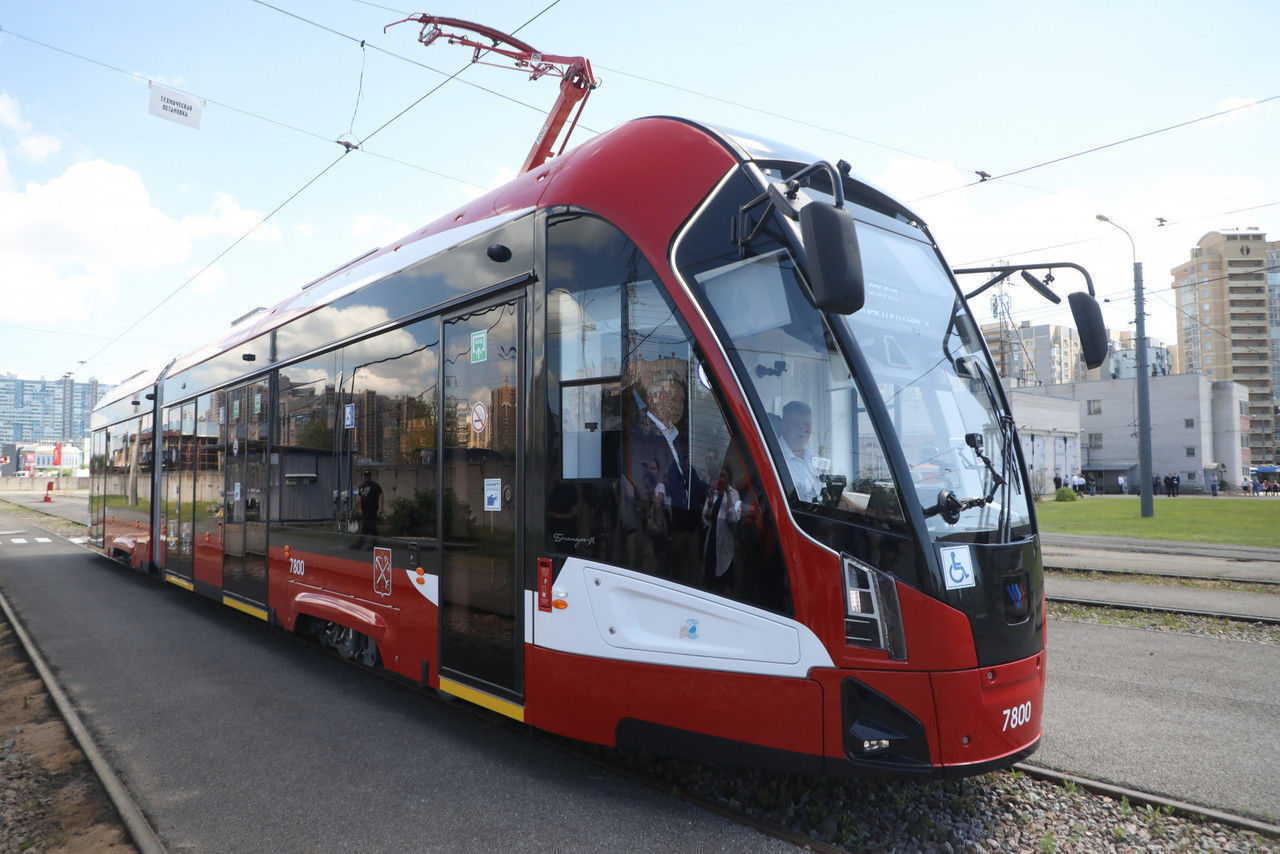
<point x="105" y="210"/>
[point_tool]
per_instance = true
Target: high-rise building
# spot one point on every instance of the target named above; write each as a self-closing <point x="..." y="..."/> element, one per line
<point x="1121" y="362"/>
<point x="34" y="411"/>
<point x="1027" y="355"/>
<point x="1229" y="322"/>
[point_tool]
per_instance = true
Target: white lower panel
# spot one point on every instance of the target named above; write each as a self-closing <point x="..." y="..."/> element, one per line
<point x="610" y="612"/>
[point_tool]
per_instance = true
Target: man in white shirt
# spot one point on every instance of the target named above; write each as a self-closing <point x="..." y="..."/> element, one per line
<point x="797" y="427"/>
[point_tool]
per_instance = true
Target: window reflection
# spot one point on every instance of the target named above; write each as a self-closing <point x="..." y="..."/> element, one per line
<point x="367" y="407"/>
<point x="647" y="472"/>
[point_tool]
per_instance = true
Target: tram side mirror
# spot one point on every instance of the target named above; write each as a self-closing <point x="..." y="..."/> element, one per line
<point x="835" y="264"/>
<point x="1089" y="325"/>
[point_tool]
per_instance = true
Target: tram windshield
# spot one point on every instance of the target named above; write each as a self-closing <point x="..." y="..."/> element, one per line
<point x="923" y="359"/>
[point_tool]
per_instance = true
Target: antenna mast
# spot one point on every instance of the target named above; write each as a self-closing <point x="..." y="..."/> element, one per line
<point x="576" y="79"/>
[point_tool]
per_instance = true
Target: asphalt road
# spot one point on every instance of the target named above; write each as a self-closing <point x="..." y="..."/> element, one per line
<point x="234" y="738"/>
<point x="1193" y="718"/>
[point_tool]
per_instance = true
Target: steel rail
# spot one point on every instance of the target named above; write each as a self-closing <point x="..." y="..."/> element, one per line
<point x="1137" y="573"/>
<point x="1137" y="796"/>
<point x="1161" y="609"/>
<point x="139" y="829"/>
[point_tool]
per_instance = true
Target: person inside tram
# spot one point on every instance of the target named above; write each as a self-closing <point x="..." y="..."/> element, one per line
<point x="663" y="480"/>
<point x="720" y="514"/>
<point x="797" y="427"/>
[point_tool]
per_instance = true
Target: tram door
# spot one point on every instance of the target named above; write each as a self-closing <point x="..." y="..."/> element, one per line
<point x="244" y="549"/>
<point x="480" y="594"/>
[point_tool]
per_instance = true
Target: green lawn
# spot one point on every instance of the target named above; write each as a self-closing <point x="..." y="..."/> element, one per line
<point x="1237" y="521"/>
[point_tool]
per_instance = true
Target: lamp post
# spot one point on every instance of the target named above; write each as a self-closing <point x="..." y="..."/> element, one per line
<point x="1144" y="391"/>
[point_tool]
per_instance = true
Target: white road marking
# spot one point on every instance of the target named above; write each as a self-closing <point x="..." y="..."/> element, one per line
<point x="18" y="542"/>
<point x="43" y="540"/>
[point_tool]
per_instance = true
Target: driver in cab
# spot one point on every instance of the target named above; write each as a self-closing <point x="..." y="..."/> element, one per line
<point x="797" y="427"/>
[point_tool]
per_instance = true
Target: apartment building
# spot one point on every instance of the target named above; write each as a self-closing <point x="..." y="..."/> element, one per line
<point x="1228" y="298"/>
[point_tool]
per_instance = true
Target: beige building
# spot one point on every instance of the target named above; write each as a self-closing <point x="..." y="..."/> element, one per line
<point x="1229" y="317"/>
<point x="1027" y="355"/>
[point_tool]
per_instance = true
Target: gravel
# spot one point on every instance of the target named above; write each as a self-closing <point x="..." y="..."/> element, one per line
<point x="1004" y="811"/>
<point x="998" y="812"/>
<point x="1158" y="621"/>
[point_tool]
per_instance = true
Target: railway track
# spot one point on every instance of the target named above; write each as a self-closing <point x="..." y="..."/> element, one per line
<point x="831" y="815"/>
<point x="1161" y="609"/>
<point x="826" y="815"/>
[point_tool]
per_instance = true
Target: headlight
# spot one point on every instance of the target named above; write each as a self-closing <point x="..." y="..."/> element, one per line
<point x="872" y="617"/>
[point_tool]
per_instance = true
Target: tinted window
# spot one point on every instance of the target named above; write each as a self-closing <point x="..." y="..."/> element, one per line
<point x="645" y="472"/>
<point x="367" y="407"/>
<point x="389" y="427"/>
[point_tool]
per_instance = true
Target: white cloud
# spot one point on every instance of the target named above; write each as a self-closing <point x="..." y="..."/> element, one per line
<point x="39" y="148"/>
<point x="210" y="281"/>
<point x="378" y="227"/>
<point x="228" y="219"/>
<point x="32" y="147"/>
<point x="11" y="114"/>
<point x="76" y="238"/>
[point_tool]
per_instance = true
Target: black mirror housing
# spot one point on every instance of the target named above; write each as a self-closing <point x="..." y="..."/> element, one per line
<point x="1089" y="326"/>
<point x="835" y="264"/>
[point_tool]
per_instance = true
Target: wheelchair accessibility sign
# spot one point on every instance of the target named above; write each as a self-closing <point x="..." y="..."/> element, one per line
<point x="957" y="567"/>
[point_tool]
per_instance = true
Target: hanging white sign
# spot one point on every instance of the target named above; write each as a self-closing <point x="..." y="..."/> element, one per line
<point x="175" y="106"/>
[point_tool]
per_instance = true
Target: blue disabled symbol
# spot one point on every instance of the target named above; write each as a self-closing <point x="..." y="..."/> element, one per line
<point x="957" y="569"/>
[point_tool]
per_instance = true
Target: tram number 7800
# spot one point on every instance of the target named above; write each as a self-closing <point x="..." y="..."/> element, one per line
<point x="1017" y="716"/>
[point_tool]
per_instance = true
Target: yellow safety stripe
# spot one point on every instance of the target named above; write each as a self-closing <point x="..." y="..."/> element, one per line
<point x="480" y="698"/>
<point x="248" y="609"/>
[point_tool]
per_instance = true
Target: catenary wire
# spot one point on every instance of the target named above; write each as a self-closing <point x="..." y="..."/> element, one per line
<point x="419" y="64"/>
<point x="215" y="260"/>
<point x="277" y="209"/>
<point x="1098" y="148"/>
<point x="227" y="106"/>
<point x="1197" y="218"/>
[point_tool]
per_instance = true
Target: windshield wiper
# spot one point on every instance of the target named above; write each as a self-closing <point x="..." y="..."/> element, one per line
<point x="949" y="506"/>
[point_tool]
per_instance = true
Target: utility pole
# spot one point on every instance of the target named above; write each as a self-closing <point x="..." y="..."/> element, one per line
<point x="1144" y="374"/>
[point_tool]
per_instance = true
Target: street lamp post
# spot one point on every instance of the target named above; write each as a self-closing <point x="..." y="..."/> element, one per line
<point x="1144" y="390"/>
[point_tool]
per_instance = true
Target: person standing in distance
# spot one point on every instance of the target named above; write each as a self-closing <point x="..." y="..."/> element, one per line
<point x="371" y="505"/>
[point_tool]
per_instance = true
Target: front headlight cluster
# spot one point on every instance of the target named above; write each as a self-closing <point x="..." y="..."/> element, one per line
<point x="872" y="617"/>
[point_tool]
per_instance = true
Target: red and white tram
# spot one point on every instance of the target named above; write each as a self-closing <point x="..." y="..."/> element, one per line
<point x="681" y="441"/>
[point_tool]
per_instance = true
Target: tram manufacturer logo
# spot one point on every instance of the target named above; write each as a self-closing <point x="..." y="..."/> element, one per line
<point x="689" y="630"/>
<point x="382" y="571"/>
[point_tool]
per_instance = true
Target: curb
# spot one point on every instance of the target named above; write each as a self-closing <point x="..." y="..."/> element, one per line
<point x="140" y="831"/>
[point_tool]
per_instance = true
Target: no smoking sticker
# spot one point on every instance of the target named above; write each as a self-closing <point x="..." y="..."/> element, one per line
<point x="479" y="416"/>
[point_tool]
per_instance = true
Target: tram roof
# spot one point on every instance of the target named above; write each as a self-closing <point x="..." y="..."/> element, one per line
<point x="508" y="202"/>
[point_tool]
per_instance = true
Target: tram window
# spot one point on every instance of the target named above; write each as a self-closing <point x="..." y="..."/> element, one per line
<point x="305" y="417"/>
<point x="651" y="475"/>
<point x="209" y="485"/>
<point x="390" y="391"/>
